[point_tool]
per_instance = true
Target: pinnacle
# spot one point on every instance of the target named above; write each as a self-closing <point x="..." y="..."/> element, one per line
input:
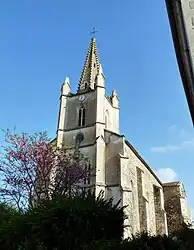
<point x="114" y="93"/>
<point x="67" y="80"/>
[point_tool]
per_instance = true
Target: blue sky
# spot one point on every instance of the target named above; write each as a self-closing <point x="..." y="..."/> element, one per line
<point x="44" y="41"/>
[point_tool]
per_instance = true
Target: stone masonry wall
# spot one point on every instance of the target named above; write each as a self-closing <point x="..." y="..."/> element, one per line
<point x="159" y="212"/>
<point x="141" y="202"/>
<point x="143" y="193"/>
<point x="114" y="146"/>
<point x="173" y="208"/>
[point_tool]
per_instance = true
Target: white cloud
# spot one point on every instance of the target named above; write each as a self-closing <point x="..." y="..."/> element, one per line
<point x="158" y="149"/>
<point x="185" y="138"/>
<point x="164" y="149"/>
<point x="166" y="174"/>
<point x="172" y="147"/>
<point x="173" y="127"/>
<point x="182" y="133"/>
<point x="187" y="144"/>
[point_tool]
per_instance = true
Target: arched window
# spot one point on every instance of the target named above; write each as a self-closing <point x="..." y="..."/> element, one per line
<point x="85" y="85"/>
<point x="82" y="116"/>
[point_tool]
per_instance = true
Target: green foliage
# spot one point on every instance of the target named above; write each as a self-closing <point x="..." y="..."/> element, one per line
<point x="6" y="212"/>
<point x="143" y="241"/>
<point x="64" y="223"/>
<point x="146" y="241"/>
<point x="8" y="221"/>
<point x="67" y="222"/>
<point x="82" y="222"/>
<point x="186" y="235"/>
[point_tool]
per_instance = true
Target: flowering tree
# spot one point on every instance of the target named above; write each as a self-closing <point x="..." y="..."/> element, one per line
<point x="31" y="169"/>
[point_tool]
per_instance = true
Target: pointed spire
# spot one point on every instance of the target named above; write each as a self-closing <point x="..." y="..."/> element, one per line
<point x="91" y="67"/>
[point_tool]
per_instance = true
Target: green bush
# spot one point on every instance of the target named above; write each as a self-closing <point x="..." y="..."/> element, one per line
<point x="79" y="223"/>
<point x="186" y="235"/>
<point x="65" y="223"/>
<point x="8" y="228"/>
<point x="143" y="241"/>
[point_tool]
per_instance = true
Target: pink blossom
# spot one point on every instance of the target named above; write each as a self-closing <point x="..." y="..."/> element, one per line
<point x="29" y="161"/>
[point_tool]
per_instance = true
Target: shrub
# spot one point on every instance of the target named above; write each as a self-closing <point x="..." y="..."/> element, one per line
<point x="186" y="236"/>
<point x="8" y="229"/>
<point x="65" y="223"/>
<point x="141" y="241"/>
<point x="68" y="222"/>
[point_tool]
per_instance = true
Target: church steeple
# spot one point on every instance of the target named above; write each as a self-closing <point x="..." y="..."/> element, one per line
<point x="91" y="68"/>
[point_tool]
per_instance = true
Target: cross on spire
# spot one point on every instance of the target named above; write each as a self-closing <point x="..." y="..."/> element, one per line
<point x="94" y="31"/>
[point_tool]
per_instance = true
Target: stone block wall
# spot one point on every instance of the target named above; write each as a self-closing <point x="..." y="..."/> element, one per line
<point x="176" y="206"/>
<point x="172" y="207"/>
<point x="141" y="202"/>
<point x="135" y="169"/>
<point x="159" y="212"/>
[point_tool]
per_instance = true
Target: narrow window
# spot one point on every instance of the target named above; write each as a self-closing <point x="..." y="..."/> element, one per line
<point x="82" y="114"/>
<point x="85" y="85"/>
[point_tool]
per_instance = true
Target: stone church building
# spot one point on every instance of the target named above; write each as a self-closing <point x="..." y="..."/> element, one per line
<point x="89" y="118"/>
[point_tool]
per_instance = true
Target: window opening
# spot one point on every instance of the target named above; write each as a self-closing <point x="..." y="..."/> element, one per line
<point x="82" y="116"/>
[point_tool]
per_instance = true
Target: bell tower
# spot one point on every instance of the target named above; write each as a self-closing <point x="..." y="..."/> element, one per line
<point x="82" y="115"/>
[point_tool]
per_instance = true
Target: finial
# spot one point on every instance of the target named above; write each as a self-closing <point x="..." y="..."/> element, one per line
<point x="67" y="80"/>
<point x="114" y="93"/>
<point x="94" y="31"/>
<point x="66" y="88"/>
<point x="115" y="99"/>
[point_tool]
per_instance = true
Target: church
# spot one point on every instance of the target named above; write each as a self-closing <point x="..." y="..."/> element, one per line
<point x="89" y="118"/>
